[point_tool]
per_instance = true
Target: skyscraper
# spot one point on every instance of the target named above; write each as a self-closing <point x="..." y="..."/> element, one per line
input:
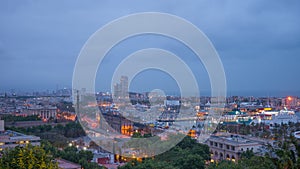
<point x="121" y="89"/>
<point x="124" y="86"/>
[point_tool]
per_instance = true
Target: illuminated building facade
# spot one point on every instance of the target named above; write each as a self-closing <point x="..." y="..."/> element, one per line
<point x="119" y="123"/>
<point x="230" y="147"/>
<point x="44" y="112"/>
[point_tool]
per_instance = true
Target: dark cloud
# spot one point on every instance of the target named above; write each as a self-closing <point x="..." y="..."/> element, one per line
<point x="253" y="37"/>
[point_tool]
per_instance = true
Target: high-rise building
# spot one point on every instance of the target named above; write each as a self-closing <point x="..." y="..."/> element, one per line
<point x="117" y="90"/>
<point x="124" y="86"/>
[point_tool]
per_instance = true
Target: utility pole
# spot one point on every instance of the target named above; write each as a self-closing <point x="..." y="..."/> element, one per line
<point x="77" y="104"/>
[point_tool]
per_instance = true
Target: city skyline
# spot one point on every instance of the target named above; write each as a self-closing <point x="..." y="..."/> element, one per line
<point x="149" y="84"/>
<point x="256" y="41"/>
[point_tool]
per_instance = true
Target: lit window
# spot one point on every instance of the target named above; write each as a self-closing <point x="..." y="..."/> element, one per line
<point x="227" y="157"/>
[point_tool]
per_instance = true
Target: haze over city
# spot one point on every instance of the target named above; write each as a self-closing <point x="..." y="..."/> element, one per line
<point x="257" y="41"/>
<point x="131" y="84"/>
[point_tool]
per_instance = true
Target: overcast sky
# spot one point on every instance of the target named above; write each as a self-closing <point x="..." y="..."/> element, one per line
<point x="258" y="42"/>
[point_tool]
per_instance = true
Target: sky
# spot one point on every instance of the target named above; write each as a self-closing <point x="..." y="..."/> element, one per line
<point x="258" y="42"/>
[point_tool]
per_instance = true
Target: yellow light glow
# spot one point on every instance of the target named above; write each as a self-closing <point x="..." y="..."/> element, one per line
<point x="289" y="98"/>
<point x="267" y="108"/>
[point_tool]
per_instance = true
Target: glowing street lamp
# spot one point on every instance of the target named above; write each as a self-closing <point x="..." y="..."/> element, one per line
<point x="289" y="101"/>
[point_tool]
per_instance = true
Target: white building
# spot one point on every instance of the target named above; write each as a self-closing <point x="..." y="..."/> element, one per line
<point x="11" y="139"/>
<point x="224" y="146"/>
<point x="277" y="117"/>
<point x="44" y="112"/>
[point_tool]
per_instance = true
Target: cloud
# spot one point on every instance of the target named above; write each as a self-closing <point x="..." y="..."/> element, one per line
<point x="53" y="32"/>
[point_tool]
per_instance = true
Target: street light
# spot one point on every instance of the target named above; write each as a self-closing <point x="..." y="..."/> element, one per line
<point x="289" y="101"/>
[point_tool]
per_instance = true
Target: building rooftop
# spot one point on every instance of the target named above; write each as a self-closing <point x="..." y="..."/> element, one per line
<point x="13" y="135"/>
<point x="39" y="107"/>
<point x="233" y="139"/>
<point x="64" y="164"/>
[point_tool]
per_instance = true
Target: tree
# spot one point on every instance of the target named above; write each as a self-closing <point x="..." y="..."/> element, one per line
<point x="148" y="164"/>
<point x="81" y="157"/>
<point x="190" y="161"/>
<point x="12" y="118"/>
<point x="73" y="130"/>
<point x="247" y="154"/>
<point x="28" y="157"/>
<point x="187" y="154"/>
<point x="136" y="135"/>
<point x="224" y="165"/>
<point x="49" y="148"/>
<point x="256" y="162"/>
